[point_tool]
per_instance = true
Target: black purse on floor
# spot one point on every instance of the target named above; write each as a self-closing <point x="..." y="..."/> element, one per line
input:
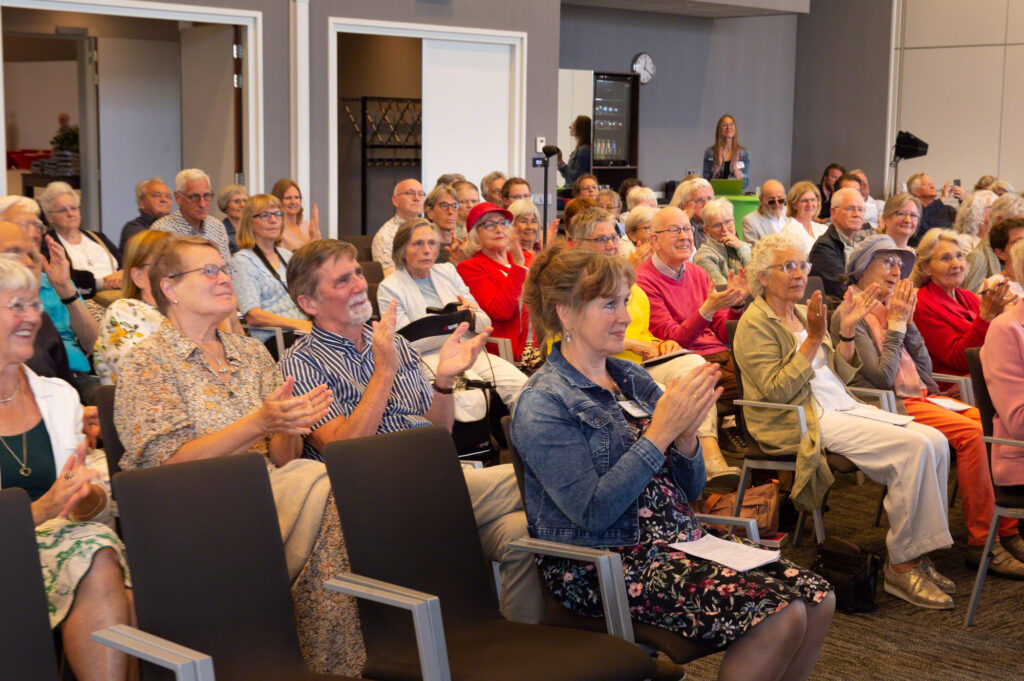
<point x="852" y="571"/>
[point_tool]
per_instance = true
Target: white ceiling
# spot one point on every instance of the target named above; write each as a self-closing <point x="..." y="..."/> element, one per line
<point x="710" y="9"/>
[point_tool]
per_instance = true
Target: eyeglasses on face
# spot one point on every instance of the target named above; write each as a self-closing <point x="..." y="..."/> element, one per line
<point x="888" y="261"/>
<point x="166" y="195"/>
<point x="65" y="211"/>
<point x="775" y="202"/>
<point x="199" y="198"/>
<point x="603" y="240"/>
<point x="903" y="215"/>
<point x="675" y="231"/>
<point x="21" y="307"/>
<point x="791" y="266"/>
<point x="445" y="205"/>
<point x="854" y="209"/>
<point x="413" y="193"/>
<point x="810" y="200"/>
<point x="267" y="214"/>
<point x="210" y="271"/>
<point x="492" y="226"/>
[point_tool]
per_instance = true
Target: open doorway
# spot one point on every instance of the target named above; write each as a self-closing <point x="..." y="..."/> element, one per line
<point x="172" y="91"/>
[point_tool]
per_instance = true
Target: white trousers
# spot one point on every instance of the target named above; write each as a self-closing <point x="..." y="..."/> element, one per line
<point x="677" y="367"/>
<point x="471" y="405"/>
<point x="913" y="461"/>
<point x="500" y="519"/>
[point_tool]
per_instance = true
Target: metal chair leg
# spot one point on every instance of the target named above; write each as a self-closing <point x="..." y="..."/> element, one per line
<point x="819" y="525"/>
<point x="800" y="517"/>
<point x="741" y="490"/>
<point x="979" y="581"/>
<point x="878" y="511"/>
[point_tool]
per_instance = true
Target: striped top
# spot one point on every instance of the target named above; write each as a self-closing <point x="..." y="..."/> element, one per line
<point x="333" y="360"/>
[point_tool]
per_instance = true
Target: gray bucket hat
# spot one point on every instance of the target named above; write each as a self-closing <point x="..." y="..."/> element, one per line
<point x="864" y="251"/>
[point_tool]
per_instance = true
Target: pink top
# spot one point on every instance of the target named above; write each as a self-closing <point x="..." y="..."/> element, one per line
<point x="675" y="308"/>
<point x="1002" y="358"/>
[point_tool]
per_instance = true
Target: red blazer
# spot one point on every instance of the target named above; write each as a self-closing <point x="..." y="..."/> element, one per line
<point x="498" y="290"/>
<point x="949" y="327"/>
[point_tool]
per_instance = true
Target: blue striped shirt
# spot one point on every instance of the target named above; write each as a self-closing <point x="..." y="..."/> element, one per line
<point x="326" y="358"/>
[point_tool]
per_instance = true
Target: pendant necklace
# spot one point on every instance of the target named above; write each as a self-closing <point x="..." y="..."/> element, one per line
<point x="23" y="461"/>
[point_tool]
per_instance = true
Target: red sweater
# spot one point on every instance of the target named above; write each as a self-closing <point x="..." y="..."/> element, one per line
<point x="498" y="288"/>
<point x="949" y="326"/>
<point x="675" y="308"/>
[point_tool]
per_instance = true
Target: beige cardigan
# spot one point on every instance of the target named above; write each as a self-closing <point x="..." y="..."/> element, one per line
<point x="773" y="371"/>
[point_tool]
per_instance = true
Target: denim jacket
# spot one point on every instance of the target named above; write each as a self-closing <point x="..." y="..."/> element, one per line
<point x="743" y="157"/>
<point x="584" y="472"/>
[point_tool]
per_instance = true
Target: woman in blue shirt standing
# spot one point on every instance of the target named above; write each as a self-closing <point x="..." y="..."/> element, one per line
<point x="611" y="461"/>
<point x="579" y="159"/>
<point x="726" y="159"/>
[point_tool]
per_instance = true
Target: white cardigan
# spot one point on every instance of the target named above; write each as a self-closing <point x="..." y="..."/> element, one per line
<point x="62" y="414"/>
<point x="402" y="288"/>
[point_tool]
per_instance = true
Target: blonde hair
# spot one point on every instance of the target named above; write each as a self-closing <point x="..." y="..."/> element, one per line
<point x="932" y="238"/>
<point x="798" y="190"/>
<point x="253" y="207"/>
<point x="137" y="251"/>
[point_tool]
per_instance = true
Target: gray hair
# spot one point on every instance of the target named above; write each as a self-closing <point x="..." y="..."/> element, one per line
<point x="521" y="207"/>
<point x="932" y="238"/>
<point x="638" y="196"/>
<point x="491" y="177"/>
<point x="1006" y="206"/>
<point x="189" y="175"/>
<point x="971" y="214"/>
<point x="684" y="192"/>
<point x="16" y="277"/>
<point x="613" y="194"/>
<point x="583" y="224"/>
<point x="228" y="193"/>
<point x="716" y="207"/>
<point x="837" y="200"/>
<point x="763" y="257"/>
<point x="914" y="181"/>
<point x="472" y="244"/>
<point x="140" y="188"/>
<point x="638" y="216"/>
<point x="1000" y="187"/>
<point x="54" y="191"/>
<point x="404" y="235"/>
<point x="895" y="203"/>
<point x="436" y="193"/>
<point x="23" y="202"/>
<point x="1017" y="258"/>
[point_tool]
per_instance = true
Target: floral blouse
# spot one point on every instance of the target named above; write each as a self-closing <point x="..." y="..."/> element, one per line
<point x="126" y="322"/>
<point x="168" y="394"/>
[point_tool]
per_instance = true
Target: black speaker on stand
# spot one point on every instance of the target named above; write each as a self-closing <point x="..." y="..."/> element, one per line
<point x="907" y="146"/>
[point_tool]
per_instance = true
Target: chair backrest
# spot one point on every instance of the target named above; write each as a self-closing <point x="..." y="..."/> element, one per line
<point x="112" y="446"/>
<point x="982" y="400"/>
<point x="741" y="423"/>
<point x="26" y="642"/>
<point x="814" y="283"/>
<point x="407" y="519"/>
<point x="371" y="293"/>
<point x="363" y="244"/>
<point x="208" y="566"/>
<point x="372" y="270"/>
<point x="513" y="454"/>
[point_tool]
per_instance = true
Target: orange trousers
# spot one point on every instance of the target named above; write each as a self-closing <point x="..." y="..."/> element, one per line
<point x="963" y="430"/>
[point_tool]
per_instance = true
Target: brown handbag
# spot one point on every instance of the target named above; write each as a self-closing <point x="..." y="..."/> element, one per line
<point x="760" y="503"/>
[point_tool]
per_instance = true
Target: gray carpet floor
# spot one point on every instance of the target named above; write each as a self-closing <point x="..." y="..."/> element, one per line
<point x="899" y="641"/>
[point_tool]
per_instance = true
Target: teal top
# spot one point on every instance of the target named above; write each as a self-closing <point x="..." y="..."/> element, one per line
<point x="38" y="458"/>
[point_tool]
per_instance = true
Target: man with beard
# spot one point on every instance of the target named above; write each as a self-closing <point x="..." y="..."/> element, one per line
<point x="770" y="215"/>
<point x="379" y="387"/>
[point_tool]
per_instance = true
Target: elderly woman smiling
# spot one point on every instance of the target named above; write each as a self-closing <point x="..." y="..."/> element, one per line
<point x="722" y="253"/>
<point x="526" y="224"/>
<point x="894" y="358"/>
<point x="88" y="251"/>
<point x="83" y="562"/>
<point x="418" y="283"/>
<point x="786" y="356"/>
<point x="802" y="204"/>
<point x="611" y="460"/>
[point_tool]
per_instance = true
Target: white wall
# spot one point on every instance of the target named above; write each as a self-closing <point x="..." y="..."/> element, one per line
<point x="959" y="88"/>
<point x="31" y="110"/>
<point x="140" y="122"/>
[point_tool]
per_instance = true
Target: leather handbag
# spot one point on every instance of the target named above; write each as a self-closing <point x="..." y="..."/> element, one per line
<point x="760" y="503"/>
<point x="852" y="571"/>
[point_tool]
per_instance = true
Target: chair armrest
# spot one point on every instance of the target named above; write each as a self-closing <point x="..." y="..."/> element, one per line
<point x="426" y="617"/>
<point x="1002" y="441"/>
<point x="749" y="524"/>
<point x="504" y="348"/>
<point x="886" y="398"/>
<point x="963" y="383"/>
<point x="800" y="418"/>
<point x="278" y="334"/>
<point x="187" y="664"/>
<point x="609" y="574"/>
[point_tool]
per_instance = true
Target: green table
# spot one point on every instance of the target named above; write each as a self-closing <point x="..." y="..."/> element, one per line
<point x="741" y="207"/>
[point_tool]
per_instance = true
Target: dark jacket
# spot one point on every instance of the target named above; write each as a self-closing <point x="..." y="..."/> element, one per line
<point x="828" y="261"/>
<point x="84" y="281"/>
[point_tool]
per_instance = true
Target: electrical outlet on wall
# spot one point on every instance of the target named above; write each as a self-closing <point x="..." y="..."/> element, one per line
<point x="539" y="145"/>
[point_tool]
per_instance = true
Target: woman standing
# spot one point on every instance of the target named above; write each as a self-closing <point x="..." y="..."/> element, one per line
<point x="802" y="205"/>
<point x="579" y="159"/>
<point x="41" y="451"/>
<point x="726" y="159"/>
<point x="611" y="461"/>
<point x="297" y="232"/>
<point x="260" y="267"/>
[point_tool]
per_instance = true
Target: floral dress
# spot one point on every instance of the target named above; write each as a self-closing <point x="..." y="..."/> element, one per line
<point x="126" y="322"/>
<point x="695" y="598"/>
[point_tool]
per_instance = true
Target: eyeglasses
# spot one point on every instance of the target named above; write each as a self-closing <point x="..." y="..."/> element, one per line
<point x="588" y="188"/>
<point x="520" y="197"/>
<point x="791" y="266"/>
<point x="674" y="231"/>
<point x="903" y="215"/>
<point x="528" y="221"/>
<point x="163" y="195"/>
<point x="21" y="307"/>
<point x="267" y="214"/>
<point x="889" y="261"/>
<point x="813" y="199"/>
<point x="603" y="240"/>
<point x="775" y="202"/>
<point x="209" y="271"/>
<point x="444" y="205"/>
<point x="492" y="226"/>
<point x="199" y="198"/>
<point x="854" y="209"/>
<point x="413" y="193"/>
<point x="65" y="211"/>
<point x="723" y="223"/>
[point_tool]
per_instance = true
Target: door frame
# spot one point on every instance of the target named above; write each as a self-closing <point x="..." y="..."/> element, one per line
<point x="517" y="83"/>
<point x="252" y="20"/>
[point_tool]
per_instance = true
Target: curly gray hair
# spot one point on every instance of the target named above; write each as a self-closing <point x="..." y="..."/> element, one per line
<point x="763" y="257"/>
